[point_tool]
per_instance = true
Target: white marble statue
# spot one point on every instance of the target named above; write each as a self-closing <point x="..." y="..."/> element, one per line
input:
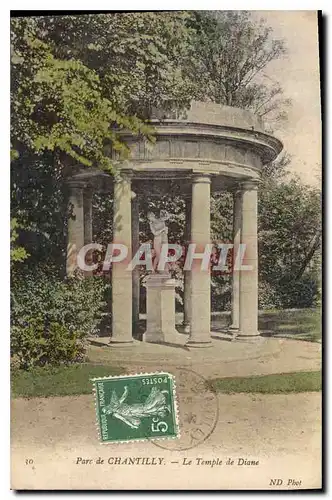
<point x="160" y="233"/>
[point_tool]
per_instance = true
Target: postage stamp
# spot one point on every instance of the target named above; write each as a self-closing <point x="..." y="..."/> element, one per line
<point x="136" y="407"/>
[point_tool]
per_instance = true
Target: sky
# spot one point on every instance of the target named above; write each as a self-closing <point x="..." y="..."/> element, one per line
<point x="298" y="74"/>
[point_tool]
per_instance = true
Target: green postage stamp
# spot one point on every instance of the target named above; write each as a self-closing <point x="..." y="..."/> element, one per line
<point x="136" y="407"/>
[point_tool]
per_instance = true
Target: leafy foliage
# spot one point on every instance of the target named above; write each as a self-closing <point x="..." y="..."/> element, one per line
<point x="34" y="343"/>
<point x="139" y="57"/>
<point x="289" y="219"/>
<point x="76" y="302"/>
<point x="233" y="49"/>
<point x="38" y="206"/>
<point x="17" y="253"/>
<point x="77" y="80"/>
<point x="50" y="318"/>
<point x="289" y="235"/>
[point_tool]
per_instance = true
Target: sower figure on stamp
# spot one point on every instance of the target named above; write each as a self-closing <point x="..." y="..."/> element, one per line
<point x="160" y="233"/>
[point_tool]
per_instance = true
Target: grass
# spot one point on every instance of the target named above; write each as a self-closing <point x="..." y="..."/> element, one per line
<point x="279" y="383"/>
<point x="298" y="324"/>
<point x="58" y="381"/>
<point x="75" y="379"/>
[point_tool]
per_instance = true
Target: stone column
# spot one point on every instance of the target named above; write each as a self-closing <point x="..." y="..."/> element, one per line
<point x="75" y="229"/>
<point x="87" y="216"/>
<point x="87" y="203"/>
<point x="200" y="303"/>
<point x="186" y="274"/>
<point x="136" y="272"/>
<point x="237" y="216"/>
<point x="249" y="278"/>
<point x="121" y="278"/>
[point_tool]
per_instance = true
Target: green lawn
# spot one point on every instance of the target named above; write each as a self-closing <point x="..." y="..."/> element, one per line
<point x="58" y="381"/>
<point x="75" y="379"/>
<point x="300" y="324"/>
<point x="279" y="383"/>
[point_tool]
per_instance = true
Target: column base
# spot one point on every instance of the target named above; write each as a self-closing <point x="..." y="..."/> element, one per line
<point x="120" y="342"/>
<point x="186" y="327"/>
<point x="163" y="337"/>
<point x="233" y="328"/>
<point x="255" y="338"/>
<point x="198" y="343"/>
<point x="234" y="331"/>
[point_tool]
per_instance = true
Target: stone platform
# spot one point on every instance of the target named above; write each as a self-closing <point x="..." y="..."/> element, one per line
<point x="223" y="359"/>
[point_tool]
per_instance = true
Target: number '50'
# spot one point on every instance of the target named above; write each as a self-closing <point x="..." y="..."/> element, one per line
<point x="158" y="426"/>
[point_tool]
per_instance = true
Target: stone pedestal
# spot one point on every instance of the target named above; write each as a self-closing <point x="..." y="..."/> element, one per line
<point x="160" y="308"/>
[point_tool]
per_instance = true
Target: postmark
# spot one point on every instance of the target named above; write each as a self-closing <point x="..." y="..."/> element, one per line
<point x="136" y="407"/>
<point x="198" y="410"/>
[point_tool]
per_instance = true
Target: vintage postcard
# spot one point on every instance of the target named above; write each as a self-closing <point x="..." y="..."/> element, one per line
<point x="166" y="251"/>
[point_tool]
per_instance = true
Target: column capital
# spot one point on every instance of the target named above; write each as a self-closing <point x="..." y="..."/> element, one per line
<point x="237" y="192"/>
<point x="123" y="174"/>
<point x="201" y="178"/>
<point x="88" y="190"/>
<point x="250" y="185"/>
<point x="73" y="183"/>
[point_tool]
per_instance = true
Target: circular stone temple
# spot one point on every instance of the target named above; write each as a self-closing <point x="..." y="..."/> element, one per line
<point x="208" y="148"/>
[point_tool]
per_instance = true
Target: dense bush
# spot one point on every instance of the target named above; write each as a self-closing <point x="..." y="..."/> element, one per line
<point x="300" y="293"/>
<point x="51" y="317"/>
<point x="296" y="294"/>
<point x="36" y="342"/>
<point x="221" y="293"/>
<point x="268" y="297"/>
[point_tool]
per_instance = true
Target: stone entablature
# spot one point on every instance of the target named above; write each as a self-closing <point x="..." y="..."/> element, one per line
<point x="216" y="139"/>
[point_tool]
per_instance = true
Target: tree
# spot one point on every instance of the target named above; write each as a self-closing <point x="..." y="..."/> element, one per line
<point x="76" y="82"/>
<point x="38" y="207"/>
<point x="58" y="104"/>
<point x="232" y="51"/>
<point x="139" y="57"/>
<point x="289" y="237"/>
